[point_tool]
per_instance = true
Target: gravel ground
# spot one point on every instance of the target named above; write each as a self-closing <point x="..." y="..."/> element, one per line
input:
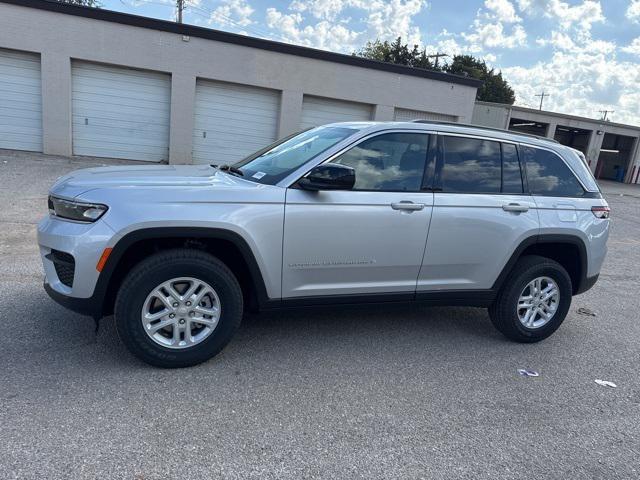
<point x="367" y="392"/>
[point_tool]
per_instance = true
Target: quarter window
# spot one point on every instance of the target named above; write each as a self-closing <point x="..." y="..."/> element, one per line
<point x="471" y="166"/>
<point x="388" y="162"/>
<point x="547" y="174"/>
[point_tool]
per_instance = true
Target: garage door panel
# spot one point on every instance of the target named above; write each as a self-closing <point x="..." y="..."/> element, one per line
<point x="320" y="111"/>
<point x="20" y="101"/>
<point x="232" y="121"/>
<point x="120" y="112"/>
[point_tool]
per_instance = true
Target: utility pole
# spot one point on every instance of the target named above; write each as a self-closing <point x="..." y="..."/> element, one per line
<point x="437" y="56"/>
<point x="542" y="97"/>
<point x="605" y="113"/>
<point x="179" y="8"/>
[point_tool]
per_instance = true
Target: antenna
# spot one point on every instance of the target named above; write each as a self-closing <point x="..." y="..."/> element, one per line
<point x="542" y="97"/>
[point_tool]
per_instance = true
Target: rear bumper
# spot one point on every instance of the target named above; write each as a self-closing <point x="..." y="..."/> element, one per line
<point x="83" y="306"/>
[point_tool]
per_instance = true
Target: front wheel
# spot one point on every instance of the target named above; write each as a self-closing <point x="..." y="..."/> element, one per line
<point x="534" y="300"/>
<point x="178" y="308"/>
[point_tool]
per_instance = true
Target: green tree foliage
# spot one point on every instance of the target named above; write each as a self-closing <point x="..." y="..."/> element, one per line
<point x="495" y="87"/>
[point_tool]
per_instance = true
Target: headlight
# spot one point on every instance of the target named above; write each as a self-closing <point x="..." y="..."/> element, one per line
<point x="77" y="211"/>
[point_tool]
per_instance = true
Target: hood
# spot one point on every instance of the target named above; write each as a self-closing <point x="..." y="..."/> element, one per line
<point x="143" y="176"/>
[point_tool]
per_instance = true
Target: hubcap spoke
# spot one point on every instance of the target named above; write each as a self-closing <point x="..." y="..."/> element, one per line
<point x="189" y="306"/>
<point x="538" y="302"/>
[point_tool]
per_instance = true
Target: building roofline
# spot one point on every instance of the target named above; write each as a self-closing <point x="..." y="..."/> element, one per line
<point x="516" y="108"/>
<point x="236" y="39"/>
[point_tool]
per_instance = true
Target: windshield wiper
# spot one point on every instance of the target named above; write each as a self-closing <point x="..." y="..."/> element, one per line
<point x="231" y="169"/>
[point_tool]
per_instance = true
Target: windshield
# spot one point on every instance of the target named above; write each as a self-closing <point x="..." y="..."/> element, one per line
<point x="275" y="162"/>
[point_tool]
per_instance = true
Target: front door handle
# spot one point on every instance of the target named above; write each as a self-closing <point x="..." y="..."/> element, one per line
<point x="515" y="207"/>
<point x="406" y="205"/>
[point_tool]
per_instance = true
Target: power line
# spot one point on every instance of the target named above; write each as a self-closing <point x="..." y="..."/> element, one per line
<point x="437" y="56"/>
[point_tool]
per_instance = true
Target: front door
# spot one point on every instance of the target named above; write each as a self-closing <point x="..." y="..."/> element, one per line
<point x="366" y="241"/>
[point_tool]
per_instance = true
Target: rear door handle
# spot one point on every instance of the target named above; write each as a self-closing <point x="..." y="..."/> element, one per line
<point x="406" y="205"/>
<point x="515" y="207"/>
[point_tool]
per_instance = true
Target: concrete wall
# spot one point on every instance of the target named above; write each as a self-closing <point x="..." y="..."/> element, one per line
<point x="492" y="115"/>
<point x="59" y="38"/>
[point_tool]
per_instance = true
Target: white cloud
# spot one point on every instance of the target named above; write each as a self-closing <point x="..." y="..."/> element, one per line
<point x="233" y="13"/>
<point x="503" y="10"/>
<point x="633" y="48"/>
<point x="381" y="19"/>
<point x="633" y="11"/>
<point x="579" y="17"/>
<point x="324" y="34"/>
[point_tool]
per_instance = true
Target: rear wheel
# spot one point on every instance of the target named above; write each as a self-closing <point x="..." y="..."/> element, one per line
<point x="178" y="308"/>
<point x="533" y="301"/>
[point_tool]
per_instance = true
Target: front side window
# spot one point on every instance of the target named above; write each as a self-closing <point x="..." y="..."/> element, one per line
<point x="548" y="175"/>
<point x="388" y="162"/>
<point x="273" y="163"/>
<point x="471" y="165"/>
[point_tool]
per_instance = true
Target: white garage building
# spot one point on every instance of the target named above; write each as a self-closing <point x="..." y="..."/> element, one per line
<point x="83" y="81"/>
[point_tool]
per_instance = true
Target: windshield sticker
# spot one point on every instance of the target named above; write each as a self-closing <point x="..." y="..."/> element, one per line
<point x="258" y="175"/>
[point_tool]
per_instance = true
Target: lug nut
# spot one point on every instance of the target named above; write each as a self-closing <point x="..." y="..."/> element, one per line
<point x="172" y="315"/>
<point x="181" y="322"/>
<point x="175" y="304"/>
<point x="188" y="304"/>
<point x="192" y="314"/>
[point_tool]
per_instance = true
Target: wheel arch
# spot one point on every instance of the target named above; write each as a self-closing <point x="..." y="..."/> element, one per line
<point x="568" y="250"/>
<point x="229" y="246"/>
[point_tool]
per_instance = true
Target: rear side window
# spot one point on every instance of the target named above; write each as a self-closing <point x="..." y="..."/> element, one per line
<point x="548" y="175"/>
<point x="471" y="166"/>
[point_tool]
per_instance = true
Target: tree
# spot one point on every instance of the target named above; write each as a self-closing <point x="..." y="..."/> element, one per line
<point x="397" y="53"/>
<point x="495" y="88"/>
<point x="82" y="3"/>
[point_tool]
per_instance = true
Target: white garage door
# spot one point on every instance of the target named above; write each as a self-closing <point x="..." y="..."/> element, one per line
<point x="405" y="115"/>
<point x="232" y="121"/>
<point x="120" y="112"/>
<point x="20" y="101"/>
<point x="320" y="111"/>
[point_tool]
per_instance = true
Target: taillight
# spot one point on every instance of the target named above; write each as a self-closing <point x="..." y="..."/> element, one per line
<point x="601" y="212"/>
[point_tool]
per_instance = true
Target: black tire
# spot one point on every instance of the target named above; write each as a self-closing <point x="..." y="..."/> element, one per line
<point x="153" y="271"/>
<point x="503" y="312"/>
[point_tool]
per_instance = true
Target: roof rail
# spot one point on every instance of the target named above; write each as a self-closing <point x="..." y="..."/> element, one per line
<point x="481" y="127"/>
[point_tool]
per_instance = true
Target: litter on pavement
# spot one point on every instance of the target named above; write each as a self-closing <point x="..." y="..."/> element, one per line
<point x="528" y="373"/>
<point x="606" y="383"/>
<point x="586" y="311"/>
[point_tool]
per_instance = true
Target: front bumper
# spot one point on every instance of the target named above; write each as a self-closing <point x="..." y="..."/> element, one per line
<point x="83" y="306"/>
<point x="84" y="242"/>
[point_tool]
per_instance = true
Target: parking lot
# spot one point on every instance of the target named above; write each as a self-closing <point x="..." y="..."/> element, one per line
<point x="369" y="392"/>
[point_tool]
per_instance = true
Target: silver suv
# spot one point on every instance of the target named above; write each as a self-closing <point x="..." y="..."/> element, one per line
<point x="345" y="213"/>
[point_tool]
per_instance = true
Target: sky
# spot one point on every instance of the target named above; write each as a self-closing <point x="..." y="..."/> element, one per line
<point x="584" y="54"/>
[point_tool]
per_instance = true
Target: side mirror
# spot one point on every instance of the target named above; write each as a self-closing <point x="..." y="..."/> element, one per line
<point x="329" y="176"/>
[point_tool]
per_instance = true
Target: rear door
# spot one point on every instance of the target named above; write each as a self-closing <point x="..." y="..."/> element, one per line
<point x="369" y="240"/>
<point x="480" y="213"/>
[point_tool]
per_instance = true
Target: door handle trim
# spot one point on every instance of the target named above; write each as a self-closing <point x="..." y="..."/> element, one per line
<point x="515" y="207"/>
<point x="405" y="205"/>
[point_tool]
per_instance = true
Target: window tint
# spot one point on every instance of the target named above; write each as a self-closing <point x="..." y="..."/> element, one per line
<point x="511" y="175"/>
<point x="391" y="162"/>
<point x="471" y="166"/>
<point x="547" y="174"/>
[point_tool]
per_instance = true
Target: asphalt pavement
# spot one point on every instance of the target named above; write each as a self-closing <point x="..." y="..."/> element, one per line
<point x="370" y="392"/>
